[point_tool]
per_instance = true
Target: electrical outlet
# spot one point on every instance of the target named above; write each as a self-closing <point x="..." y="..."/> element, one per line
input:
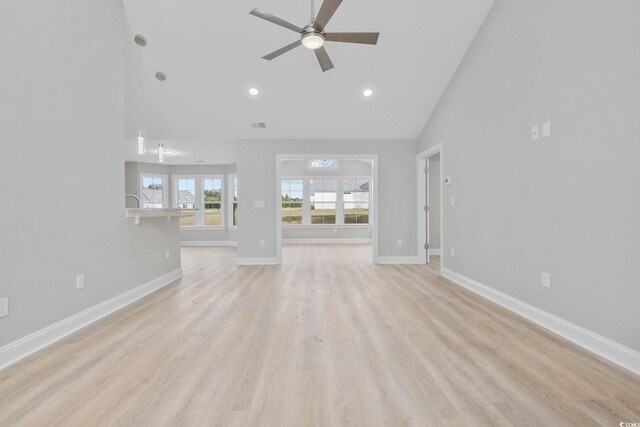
<point x="399" y="242"/>
<point x="167" y="254"/>
<point x="4" y="306"/>
<point x="453" y="253"/>
<point x="535" y="133"/>
<point x="262" y="243"/>
<point x="80" y="281"/>
<point x="546" y="280"/>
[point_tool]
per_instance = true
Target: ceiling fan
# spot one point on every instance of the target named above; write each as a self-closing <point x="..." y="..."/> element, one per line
<point x="312" y="36"/>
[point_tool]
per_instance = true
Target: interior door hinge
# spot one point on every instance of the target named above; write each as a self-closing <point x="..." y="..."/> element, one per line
<point x="426" y="246"/>
<point x="426" y="208"/>
<point x="426" y="170"/>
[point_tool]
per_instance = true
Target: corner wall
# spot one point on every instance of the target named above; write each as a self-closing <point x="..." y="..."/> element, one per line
<point x="62" y="168"/>
<point x="396" y="191"/>
<point x="568" y="204"/>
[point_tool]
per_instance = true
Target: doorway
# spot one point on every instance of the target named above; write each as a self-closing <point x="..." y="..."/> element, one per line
<point x="326" y="199"/>
<point x="430" y="206"/>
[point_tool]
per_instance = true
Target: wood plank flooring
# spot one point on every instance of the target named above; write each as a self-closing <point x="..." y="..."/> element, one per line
<point x="326" y="339"/>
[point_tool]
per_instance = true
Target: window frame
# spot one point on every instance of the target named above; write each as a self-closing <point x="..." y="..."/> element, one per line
<point x="223" y="203"/>
<point x="232" y="190"/>
<point x="369" y="201"/>
<point x="306" y="201"/>
<point x="315" y="169"/>
<point x="165" y="188"/>
<point x="199" y="201"/>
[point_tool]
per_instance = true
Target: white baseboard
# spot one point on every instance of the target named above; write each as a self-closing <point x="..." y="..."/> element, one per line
<point x="23" y="347"/>
<point x="323" y="241"/>
<point x="258" y="261"/>
<point x="435" y="252"/>
<point x="604" y="347"/>
<point x="397" y="260"/>
<point x="208" y="243"/>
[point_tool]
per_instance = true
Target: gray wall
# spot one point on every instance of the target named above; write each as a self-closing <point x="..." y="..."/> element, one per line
<point x="397" y="191"/>
<point x="347" y="167"/>
<point x="62" y="127"/>
<point x="567" y="204"/>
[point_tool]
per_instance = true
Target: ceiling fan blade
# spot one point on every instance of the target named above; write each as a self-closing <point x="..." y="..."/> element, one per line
<point x="280" y="51"/>
<point x="274" y="19"/>
<point x="323" y="59"/>
<point x="327" y="10"/>
<point x="363" y="38"/>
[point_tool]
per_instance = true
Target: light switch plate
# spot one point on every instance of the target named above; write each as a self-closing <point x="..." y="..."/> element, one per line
<point x="546" y="280"/>
<point x="546" y="129"/>
<point x="80" y="281"/>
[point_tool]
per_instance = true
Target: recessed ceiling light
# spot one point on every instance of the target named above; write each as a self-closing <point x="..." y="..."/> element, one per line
<point x="253" y="91"/>
<point x="367" y="92"/>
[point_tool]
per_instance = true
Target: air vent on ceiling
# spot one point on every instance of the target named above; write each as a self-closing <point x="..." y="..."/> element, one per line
<point x="259" y="125"/>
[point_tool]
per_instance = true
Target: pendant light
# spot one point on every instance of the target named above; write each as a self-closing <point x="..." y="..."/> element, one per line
<point x="161" y="78"/>
<point x="141" y="42"/>
<point x="161" y="152"/>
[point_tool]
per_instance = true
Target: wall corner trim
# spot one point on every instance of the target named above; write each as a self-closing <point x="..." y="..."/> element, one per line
<point x="23" y="347"/>
<point x="604" y="347"/>
<point x="397" y="260"/>
<point x="259" y="261"/>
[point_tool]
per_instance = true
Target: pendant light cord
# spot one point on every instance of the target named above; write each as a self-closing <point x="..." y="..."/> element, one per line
<point x="161" y="113"/>
<point x="140" y="87"/>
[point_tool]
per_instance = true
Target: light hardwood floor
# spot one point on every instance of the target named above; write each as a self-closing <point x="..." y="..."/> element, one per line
<point x="326" y="339"/>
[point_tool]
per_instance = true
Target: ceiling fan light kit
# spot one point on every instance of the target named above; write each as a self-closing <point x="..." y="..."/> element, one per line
<point x="313" y="36"/>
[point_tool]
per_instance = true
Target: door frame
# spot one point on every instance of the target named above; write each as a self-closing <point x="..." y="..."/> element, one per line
<point x="421" y="164"/>
<point x="373" y="207"/>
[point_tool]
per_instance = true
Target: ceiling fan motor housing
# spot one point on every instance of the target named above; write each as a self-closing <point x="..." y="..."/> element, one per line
<point x="311" y="37"/>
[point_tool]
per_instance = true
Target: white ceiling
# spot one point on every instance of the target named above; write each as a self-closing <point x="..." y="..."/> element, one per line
<point x="211" y="52"/>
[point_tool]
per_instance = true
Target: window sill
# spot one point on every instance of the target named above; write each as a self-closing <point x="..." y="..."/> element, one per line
<point x="216" y="228"/>
<point x="327" y="226"/>
<point x="232" y="227"/>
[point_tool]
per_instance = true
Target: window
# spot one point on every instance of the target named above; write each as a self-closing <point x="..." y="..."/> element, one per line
<point x="212" y="202"/>
<point x="233" y="201"/>
<point x="355" y="197"/>
<point x="152" y="193"/>
<point x="323" y="164"/>
<point x="292" y="196"/>
<point x="186" y="196"/>
<point x="344" y="201"/>
<point x="200" y="199"/>
<point x="323" y="201"/>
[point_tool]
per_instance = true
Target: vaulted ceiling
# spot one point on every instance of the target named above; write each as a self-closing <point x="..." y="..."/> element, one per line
<point x="211" y="53"/>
